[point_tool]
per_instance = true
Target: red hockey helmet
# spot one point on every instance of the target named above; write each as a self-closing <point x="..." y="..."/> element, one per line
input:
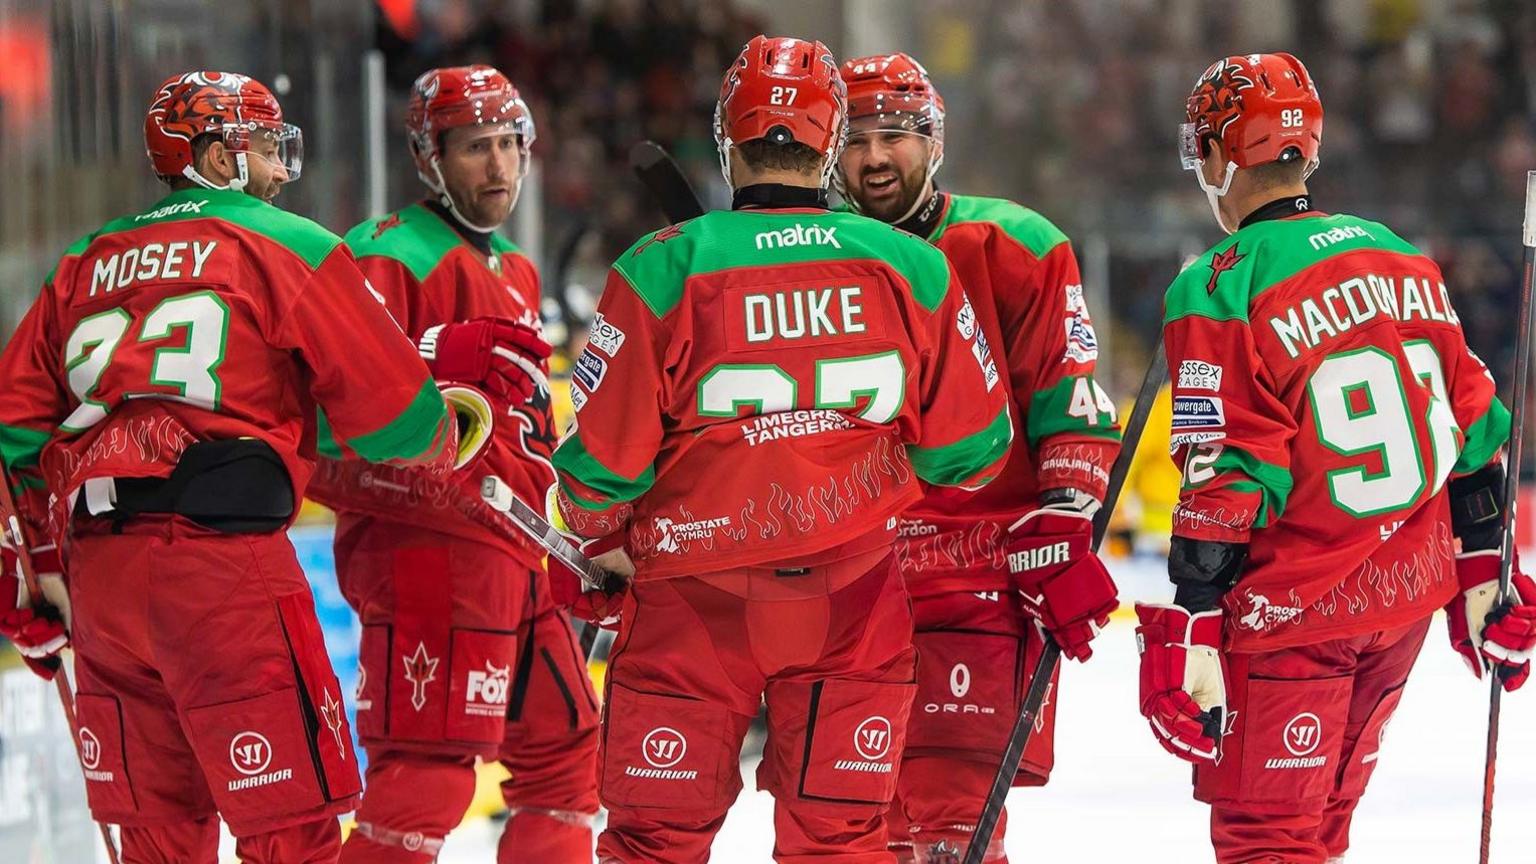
<point x="1256" y="108"/>
<point x="237" y="108"/>
<point x="785" y="90"/>
<point x="892" y="91"/>
<point x="458" y="96"/>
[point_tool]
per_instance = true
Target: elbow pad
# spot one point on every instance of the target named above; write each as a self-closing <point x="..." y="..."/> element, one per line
<point x="1203" y="571"/>
<point x="1477" y="508"/>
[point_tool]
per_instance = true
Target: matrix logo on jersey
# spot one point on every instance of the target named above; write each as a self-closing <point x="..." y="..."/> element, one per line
<point x="251" y="754"/>
<point x="663" y="748"/>
<point x="605" y="337"/>
<point x="1199" y="375"/>
<point x="798" y="235"/>
<point x="872" y="741"/>
<point x="1337" y="235"/>
<point x="1301" y="736"/>
<point x="1082" y="341"/>
<point x="675" y="533"/>
<point x="589" y="370"/>
<point x="1198" y="412"/>
<point x="486" y="692"/>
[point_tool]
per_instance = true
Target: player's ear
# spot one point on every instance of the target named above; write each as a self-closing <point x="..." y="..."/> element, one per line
<point x="216" y="163"/>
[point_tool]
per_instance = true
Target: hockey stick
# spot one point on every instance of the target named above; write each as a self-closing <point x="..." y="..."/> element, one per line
<point x="13" y="530"/>
<point x="665" y="181"/>
<point x="499" y="496"/>
<point x="1050" y="655"/>
<point x="1511" y="490"/>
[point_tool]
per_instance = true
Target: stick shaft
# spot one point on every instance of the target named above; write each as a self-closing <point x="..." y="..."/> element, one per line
<point x="1050" y="657"/>
<point x="1511" y="492"/>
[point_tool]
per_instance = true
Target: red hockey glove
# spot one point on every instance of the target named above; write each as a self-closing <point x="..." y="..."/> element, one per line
<point x="1502" y="638"/>
<point x="498" y="354"/>
<point x="38" y="626"/>
<point x="1183" y="679"/>
<point x="1060" y="579"/>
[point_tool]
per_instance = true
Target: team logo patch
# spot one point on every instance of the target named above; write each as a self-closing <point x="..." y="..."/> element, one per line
<point x="1221" y="262"/>
<point x="1199" y="375"/>
<point x="420" y="670"/>
<point x="605" y="337"/>
<point x="589" y="370"/>
<point x="1082" y="341"/>
<point x="1198" y="412"/>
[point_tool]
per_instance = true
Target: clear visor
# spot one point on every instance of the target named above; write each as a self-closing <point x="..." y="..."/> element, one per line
<point x="281" y="144"/>
<point x="1189" y="146"/>
<point x="897" y="112"/>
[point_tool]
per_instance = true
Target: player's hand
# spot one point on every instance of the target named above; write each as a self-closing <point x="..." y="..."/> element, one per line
<point x="38" y="626"/>
<point x="501" y="356"/>
<point x="1060" y="579"/>
<point x="599" y="606"/>
<point x="1489" y="637"/>
<point x="1183" y="679"/>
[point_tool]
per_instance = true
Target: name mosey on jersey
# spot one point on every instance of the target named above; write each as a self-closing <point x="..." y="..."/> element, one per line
<point x="179" y="259"/>
<point x="1357" y="301"/>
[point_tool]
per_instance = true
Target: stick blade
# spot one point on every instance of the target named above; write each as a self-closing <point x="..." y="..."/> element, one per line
<point x="661" y="176"/>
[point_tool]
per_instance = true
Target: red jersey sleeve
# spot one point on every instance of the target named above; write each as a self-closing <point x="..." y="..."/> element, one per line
<point x="965" y="425"/>
<point x="1052" y="354"/>
<point x="1231" y="433"/>
<point x="622" y="388"/>
<point x="32" y="404"/>
<point x="378" y="398"/>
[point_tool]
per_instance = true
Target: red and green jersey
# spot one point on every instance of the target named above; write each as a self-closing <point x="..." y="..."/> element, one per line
<point x="764" y="385"/>
<point x="1022" y="278"/>
<point x="1323" y="392"/>
<point x="211" y="315"/>
<point x="430" y="274"/>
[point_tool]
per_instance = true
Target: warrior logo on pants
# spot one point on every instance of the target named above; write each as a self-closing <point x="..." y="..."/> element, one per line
<point x="1303" y="734"/>
<point x="90" y="749"/>
<point x="664" y="747"/>
<point x="250" y="753"/>
<point x="873" y="738"/>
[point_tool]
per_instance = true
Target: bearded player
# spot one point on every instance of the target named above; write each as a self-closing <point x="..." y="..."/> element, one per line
<point x="157" y="422"/>
<point x="975" y="617"/>
<point x="1342" y="480"/>
<point x="463" y="653"/>
<point x="771" y="384"/>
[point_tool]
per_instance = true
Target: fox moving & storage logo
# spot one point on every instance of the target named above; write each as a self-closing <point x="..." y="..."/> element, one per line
<point x="1301" y="736"/>
<point x="251" y="753"/>
<point x="872" y="742"/>
<point x="663" y="748"/>
<point x="487" y="692"/>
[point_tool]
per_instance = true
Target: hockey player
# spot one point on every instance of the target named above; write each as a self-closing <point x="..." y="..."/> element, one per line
<point x="763" y="390"/>
<point x="1342" y="481"/>
<point x="463" y="653"/>
<point x="157" y="422"/>
<point x="976" y="637"/>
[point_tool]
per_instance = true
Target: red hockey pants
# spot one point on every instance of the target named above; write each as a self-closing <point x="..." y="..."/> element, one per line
<point x="1307" y="727"/>
<point x="204" y="688"/>
<point x="464" y="655"/>
<point x="830" y="650"/>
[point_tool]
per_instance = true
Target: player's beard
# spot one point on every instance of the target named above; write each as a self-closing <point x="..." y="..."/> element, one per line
<point x="889" y="208"/>
<point x="486" y="210"/>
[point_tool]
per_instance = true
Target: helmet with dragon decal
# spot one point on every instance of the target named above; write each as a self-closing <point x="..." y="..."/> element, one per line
<point x="890" y="98"/>
<point x="782" y="90"/>
<point x="239" y="110"/>
<point x="1253" y="109"/>
<point x="478" y="97"/>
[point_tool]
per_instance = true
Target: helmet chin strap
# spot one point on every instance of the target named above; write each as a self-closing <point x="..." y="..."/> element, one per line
<point x="1213" y="194"/>
<point x="441" y="188"/>
<point x="235" y="184"/>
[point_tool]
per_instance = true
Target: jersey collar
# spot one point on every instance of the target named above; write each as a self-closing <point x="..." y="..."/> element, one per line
<point x="1280" y="208"/>
<point x="927" y="218"/>
<point x="776" y="196"/>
